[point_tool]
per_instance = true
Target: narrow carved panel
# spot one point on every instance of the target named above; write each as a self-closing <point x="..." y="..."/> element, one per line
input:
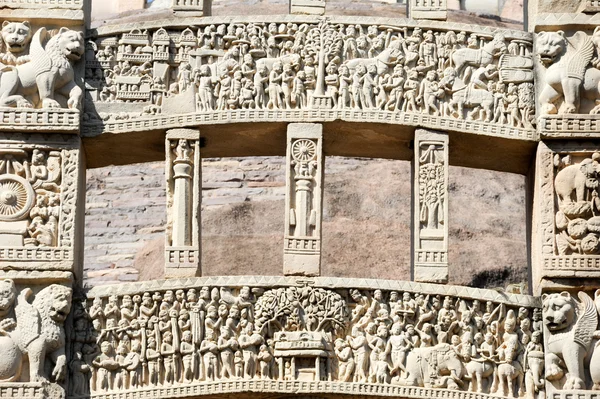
<point x="183" y="203"/>
<point x="309" y="335"/>
<point x="38" y="200"/>
<point x="431" y="207"/>
<point x="304" y="176"/>
<point x="568" y="207"/>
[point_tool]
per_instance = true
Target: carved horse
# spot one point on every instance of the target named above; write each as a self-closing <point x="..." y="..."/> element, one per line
<point x="472" y="97"/>
<point x="476" y="58"/>
<point x="384" y="60"/>
<point x="477" y="370"/>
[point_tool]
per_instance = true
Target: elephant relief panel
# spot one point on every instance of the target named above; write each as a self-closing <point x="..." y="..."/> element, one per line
<point x="460" y="75"/>
<point x="182" y="337"/>
<point x="577" y="220"/>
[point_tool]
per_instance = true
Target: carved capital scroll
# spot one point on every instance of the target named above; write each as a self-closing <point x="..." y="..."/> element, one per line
<point x="430" y="259"/>
<point x="183" y="170"/>
<point x="304" y="177"/>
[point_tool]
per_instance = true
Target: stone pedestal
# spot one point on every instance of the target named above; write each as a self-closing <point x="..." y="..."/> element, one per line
<point x="303" y="201"/>
<point x="430" y="207"/>
<point x="183" y="171"/>
<point x="428" y="9"/>
<point x="199" y="7"/>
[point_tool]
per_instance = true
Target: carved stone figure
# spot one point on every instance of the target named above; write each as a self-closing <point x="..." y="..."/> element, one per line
<point x="568" y="328"/>
<point x="434" y="367"/>
<point x="48" y="81"/>
<point x="16" y="37"/>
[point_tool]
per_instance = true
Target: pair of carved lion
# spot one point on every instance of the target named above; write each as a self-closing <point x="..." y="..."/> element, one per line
<point x="37" y="72"/>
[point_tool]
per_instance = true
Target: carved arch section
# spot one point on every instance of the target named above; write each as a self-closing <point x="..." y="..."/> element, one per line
<point x="269" y="336"/>
<point x="213" y="71"/>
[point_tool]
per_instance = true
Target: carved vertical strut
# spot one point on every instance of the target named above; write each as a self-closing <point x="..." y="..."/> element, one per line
<point x="304" y="176"/>
<point x="311" y="7"/>
<point x="184" y="192"/>
<point x="430" y="208"/>
<point x="428" y="9"/>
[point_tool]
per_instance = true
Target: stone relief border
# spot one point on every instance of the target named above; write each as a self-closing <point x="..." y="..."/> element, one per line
<point x="309" y="115"/>
<point x="48" y="120"/>
<point x="324" y="282"/>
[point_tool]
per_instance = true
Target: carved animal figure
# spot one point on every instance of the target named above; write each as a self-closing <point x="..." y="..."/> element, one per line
<point x="567" y="73"/>
<point x="508" y="372"/>
<point x="11" y="369"/>
<point x="38" y="334"/>
<point x="568" y="329"/>
<point x="570" y="182"/>
<point x="48" y="81"/>
<point x="16" y="37"/>
<point x="434" y="367"/>
<point x="292" y="59"/>
<point x="478" y="370"/>
<point x="386" y="59"/>
<point x="476" y="58"/>
<point x="472" y="98"/>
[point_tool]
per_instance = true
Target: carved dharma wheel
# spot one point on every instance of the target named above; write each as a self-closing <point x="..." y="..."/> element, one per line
<point x="16" y="198"/>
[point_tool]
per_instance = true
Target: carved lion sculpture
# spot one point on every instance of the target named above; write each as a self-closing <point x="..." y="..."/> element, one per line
<point x="48" y="81"/>
<point x="569" y="329"/>
<point x="16" y="37"/>
<point x="568" y="75"/>
<point x="38" y="334"/>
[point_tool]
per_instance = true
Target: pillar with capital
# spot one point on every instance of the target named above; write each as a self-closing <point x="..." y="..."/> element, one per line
<point x="184" y="195"/>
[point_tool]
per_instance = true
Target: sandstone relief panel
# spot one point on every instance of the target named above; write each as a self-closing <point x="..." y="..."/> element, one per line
<point x="282" y="69"/>
<point x="571" y="340"/>
<point x="178" y="340"/>
<point x="32" y="337"/>
<point x="38" y="85"/>
<point x="37" y="199"/>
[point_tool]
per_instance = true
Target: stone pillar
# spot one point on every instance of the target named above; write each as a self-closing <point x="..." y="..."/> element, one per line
<point x="430" y="207"/>
<point x="303" y="201"/>
<point x="310" y="7"/>
<point x="184" y="196"/>
<point x="428" y="9"/>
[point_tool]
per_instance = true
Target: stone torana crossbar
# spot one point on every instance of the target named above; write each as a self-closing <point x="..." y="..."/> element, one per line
<point x="304" y="86"/>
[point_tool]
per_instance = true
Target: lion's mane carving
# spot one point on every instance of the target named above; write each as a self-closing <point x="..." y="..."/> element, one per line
<point x="569" y="329"/>
<point x="48" y="81"/>
<point x="568" y="75"/>
<point x="39" y="334"/>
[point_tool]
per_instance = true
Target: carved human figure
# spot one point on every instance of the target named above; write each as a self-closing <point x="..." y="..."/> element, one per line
<point x="359" y="344"/>
<point x="264" y="357"/>
<point x="227" y="346"/>
<point x="210" y="352"/>
<point x="345" y="358"/>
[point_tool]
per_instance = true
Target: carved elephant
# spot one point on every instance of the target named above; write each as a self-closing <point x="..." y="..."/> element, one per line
<point x="571" y="183"/>
<point x="434" y="367"/>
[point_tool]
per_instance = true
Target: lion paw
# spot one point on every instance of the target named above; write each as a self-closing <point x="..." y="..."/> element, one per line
<point x="570" y="109"/>
<point x="24" y="104"/>
<point x="50" y="103"/>
<point x="574" y="383"/>
<point x="549" y="109"/>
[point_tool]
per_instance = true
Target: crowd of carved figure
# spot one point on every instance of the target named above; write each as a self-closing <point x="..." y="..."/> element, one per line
<point x="30" y="195"/>
<point x="163" y="339"/>
<point x="333" y="66"/>
<point x="578" y="216"/>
